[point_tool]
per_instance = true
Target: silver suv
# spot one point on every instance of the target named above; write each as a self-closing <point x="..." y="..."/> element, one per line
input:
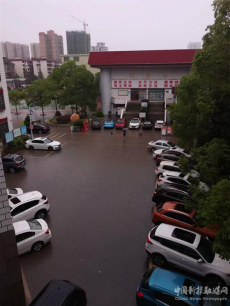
<point x="160" y="144"/>
<point x="189" y="251"/>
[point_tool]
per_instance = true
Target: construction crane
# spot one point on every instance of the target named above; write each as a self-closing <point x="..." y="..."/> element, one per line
<point x="84" y="24"/>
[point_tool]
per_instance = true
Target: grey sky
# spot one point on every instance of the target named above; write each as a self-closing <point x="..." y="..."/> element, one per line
<point x="122" y="25"/>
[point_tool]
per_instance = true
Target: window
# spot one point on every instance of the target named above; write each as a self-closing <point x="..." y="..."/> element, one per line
<point x="19" y="158"/>
<point x="31" y="204"/>
<point x="156" y="95"/>
<point x="146" y="278"/>
<point x="134" y="95"/>
<point x="168" y="299"/>
<point x="205" y="249"/>
<point x="35" y="141"/>
<point x="47" y="140"/>
<point x="76" y="58"/>
<point x="24" y="236"/>
<point x="66" y="59"/>
<point x="122" y="92"/>
<point x="158" y="144"/>
<point x="171" y="245"/>
<point x="18" y="210"/>
<point x="167" y="168"/>
<point x="15" y="200"/>
<point x="34" y="224"/>
<point x="165" y="145"/>
<point x="6" y="160"/>
<point x="190" y="252"/>
<point x="175" y="169"/>
<point x="184" y="235"/>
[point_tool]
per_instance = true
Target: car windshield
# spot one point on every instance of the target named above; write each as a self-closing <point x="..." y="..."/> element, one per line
<point x="96" y="122"/>
<point x="147" y="122"/>
<point x="34" y="224"/>
<point x="120" y="121"/>
<point x="108" y="121"/>
<point x="135" y="120"/>
<point x="171" y="144"/>
<point x="12" y="191"/>
<point x="15" y="200"/>
<point x="47" y="140"/>
<point x="205" y="249"/>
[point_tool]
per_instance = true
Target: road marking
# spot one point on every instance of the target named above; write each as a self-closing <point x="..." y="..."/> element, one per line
<point x="61" y="136"/>
<point x="64" y="144"/>
<point x="26" y="289"/>
<point x="51" y="134"/>
<point x="48" y="154"/>
<point x="55" y="135"/>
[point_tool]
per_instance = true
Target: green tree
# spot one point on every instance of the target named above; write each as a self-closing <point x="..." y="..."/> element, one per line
<point x="40" y="74"/>
<point x="15" y="97"/>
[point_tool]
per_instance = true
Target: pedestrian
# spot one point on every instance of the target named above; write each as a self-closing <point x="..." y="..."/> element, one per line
<point x="124" y="133"/>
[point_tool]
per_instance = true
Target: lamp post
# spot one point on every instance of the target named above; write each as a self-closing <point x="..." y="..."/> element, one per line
<point x="31" y="130"/>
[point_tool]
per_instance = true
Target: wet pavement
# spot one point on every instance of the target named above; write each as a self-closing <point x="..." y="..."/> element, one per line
<point x="99" y="187"/>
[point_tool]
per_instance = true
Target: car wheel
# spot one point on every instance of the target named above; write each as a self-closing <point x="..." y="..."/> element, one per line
<point x="37" y="246"/>
<point x="41" y="214"/>
<point x="159" y="260"/>
<point x="153" y="149"/>
<point x="50" y="148"/>
<point x="31" y="147"/>
<point x="12" y="170"/>
<point x="215" y="280"/>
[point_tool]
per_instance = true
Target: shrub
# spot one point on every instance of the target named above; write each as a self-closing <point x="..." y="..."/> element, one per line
<point x="99" y="114"/>
<point x="57" y="113"/>
<point x="17" y="144"/>
<point x="54" y="120"/>
<point x="63" y="119"/>
<point x="79" y="122"/>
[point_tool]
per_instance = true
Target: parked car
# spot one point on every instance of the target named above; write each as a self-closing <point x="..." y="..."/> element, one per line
<point x="13" y="162"/>
<point x="175" y="213"/>
<point x="157" y="287"/>
<point x="175" y="186"/>
<point x="38" y="128"/>
<point x="96" y="125"/>
<point x="176" y="151"/>
<point x="109" y="124"/>
<point x="187" y="250"/>
<point x="41" y="143"/>
<point x="180" y="182"/>
<point x="160" y="144"/>
<point x="69" y="294"/>
<point x="167" y="166"/>
<point x="121" y="123"/>
<point x="29" y="205"/>
<point x="193" y="173"/>
<point x="164" y="194"/>
<point x="158" y="124"/>
<point x="147" y="125"/>
<point x="166" y="157"/>
<point x="135" y="124"/>
<point x="14" y="192"/>
<point x="31" y="235"/>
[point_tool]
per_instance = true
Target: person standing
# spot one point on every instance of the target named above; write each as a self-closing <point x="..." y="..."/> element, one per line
<point x="124" y="133"/>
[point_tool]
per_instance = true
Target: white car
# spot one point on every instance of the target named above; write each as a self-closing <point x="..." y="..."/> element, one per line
<point x="14" y="192"/>
<point x="42" y="143"/>
<point x="135" y="124"/>
<point x="164" y="145"/>
<point x="31" y="235"/>
<point x="195" y="174"/>
<point x="187" y="250"/>
<point x="158" y="124"/>
<point x="185" y="181"/>
<point x="177" y="151"/>
<point x="169" y="166"/>
<point x="29" y="205"/>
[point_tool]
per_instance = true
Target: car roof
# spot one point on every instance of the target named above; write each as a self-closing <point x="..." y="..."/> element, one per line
<point x="162" y="140"/>
<point x="172" y="206"/>
<point x="135" y="119"/>
<point x="21" y="226"/>
<point x="169" y="281"/>
<point x="10" y="155"/>
<point x="147" y="122"/>
<point x="29" y="196"/>
<point x="39" y="138"/>
<point x="166" y="230"/>
<point x="169" y="163"/>
<point x="170" y="188"/>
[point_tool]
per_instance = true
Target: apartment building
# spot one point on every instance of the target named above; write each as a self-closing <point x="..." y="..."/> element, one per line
<point x="15" y="50"/>
<point x="45" y="65"/>
<point x="78" y="42"/>
<point x="24" y="68"/>
<point x="51" y="45"/>
<point x="35" y="50"/>
<point x="100" y="47"/>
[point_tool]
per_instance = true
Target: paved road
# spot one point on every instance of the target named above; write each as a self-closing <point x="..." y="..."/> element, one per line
<point x="100" y="187"/>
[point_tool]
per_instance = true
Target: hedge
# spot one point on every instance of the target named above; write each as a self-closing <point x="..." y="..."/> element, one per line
<point x="79" y="122"/>
<point x="63" y="119"/>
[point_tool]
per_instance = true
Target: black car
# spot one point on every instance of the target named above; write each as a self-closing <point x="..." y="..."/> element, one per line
<point x="165" y="193"/>
<point x="96" y="125"/>
<point x="147" y="125"/>
<point x="39" y="128"/>
<point x="60" y="293"/>
<point x="165" y="157"/>
<point x="13" y="162"/>
<point x="181" y="187"/>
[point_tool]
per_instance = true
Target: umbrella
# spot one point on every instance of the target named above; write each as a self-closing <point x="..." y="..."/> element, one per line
<point x="124" y="129"/>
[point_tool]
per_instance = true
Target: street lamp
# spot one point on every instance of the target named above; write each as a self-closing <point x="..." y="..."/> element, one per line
<point x="31" y="130"/>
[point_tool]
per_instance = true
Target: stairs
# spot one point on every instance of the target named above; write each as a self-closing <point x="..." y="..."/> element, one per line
<point x="132" y="110"/>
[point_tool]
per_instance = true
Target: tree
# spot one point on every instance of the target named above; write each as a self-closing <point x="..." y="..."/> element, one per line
<point x="15" y="97"/>
<point x="40" y="74"/>
<point x="34" y="77"/>
<point x="38" y="92"/>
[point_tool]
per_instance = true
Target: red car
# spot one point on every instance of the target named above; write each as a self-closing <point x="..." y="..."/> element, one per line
<point x="121" y="123"/>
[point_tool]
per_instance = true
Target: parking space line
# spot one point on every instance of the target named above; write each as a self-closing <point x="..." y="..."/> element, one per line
<point x="64" y="144"/>
<point x="61" y="136"/>
<point x="26" y="289"/>
<point x="48" y="154"/>
<point x="51" y="134"/>
<point x="55" y="135"/>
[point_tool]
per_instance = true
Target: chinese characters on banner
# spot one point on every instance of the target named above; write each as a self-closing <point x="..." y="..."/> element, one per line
<point x="145" y="83"/>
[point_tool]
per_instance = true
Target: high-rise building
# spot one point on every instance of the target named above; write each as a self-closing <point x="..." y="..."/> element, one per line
<point x="78" y="42"/>
<point x="35" y="50"/>
<point x="15" y="50"/>
<point x="194" y="45"/>
<point x="51" y="45"/>
<point x="100" y="47"/>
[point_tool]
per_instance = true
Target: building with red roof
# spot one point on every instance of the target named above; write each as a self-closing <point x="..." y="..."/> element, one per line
<point x="137" y="75"/>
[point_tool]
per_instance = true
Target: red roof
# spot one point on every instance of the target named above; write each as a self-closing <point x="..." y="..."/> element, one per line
<point x="151" y="57"/>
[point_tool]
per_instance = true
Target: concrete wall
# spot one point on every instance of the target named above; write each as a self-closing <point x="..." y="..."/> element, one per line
<point x="83" y="60"/>
<point x="106" y="90"/>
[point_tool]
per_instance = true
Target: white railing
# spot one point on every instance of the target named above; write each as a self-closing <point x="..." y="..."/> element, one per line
<point x="124" y="109"/>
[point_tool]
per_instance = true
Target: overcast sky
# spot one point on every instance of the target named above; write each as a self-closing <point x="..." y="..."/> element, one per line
<point x="122" y="25"/>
